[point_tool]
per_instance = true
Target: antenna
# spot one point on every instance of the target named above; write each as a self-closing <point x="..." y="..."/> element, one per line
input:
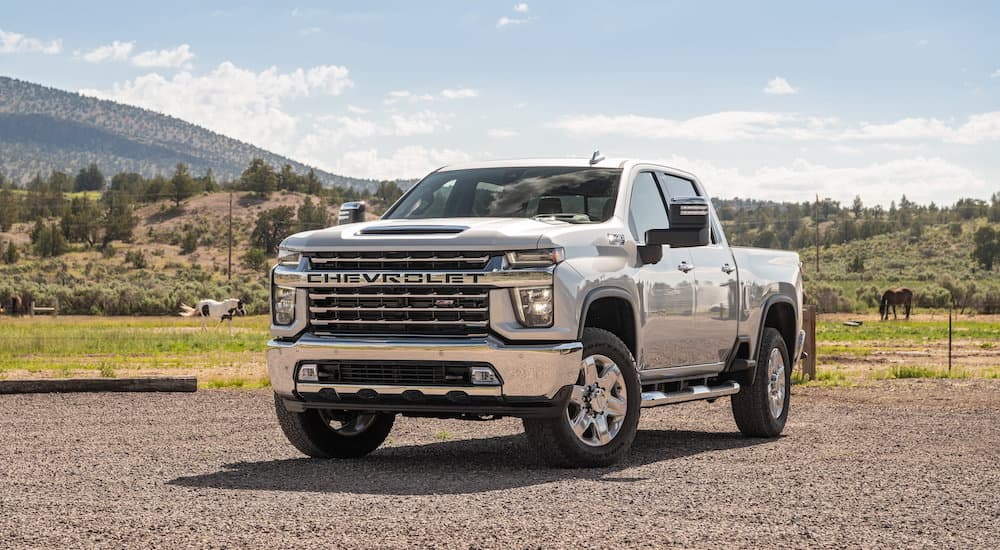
<point x="597" y="157"/>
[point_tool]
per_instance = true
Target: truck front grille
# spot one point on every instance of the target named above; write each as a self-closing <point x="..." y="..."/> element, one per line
<point x="401" y="373"/>
<point x="411" y="310"/>
<point x="398" y="261"/>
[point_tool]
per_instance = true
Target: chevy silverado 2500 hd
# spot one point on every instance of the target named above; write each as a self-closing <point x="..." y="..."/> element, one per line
<point x="571" y="293"/>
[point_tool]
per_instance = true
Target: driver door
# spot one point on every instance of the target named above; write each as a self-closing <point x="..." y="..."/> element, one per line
<point x="666" y="288"/>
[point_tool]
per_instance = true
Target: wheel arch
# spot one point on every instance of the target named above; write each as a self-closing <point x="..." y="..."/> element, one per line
<point x="779" y="313"/>
<point x="612" y="309"/>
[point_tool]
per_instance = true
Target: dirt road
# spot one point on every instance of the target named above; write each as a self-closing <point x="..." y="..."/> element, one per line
<point x="900" y="464"/>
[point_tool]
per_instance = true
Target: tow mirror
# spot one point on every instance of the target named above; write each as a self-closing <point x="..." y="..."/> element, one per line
<point x="689" y="224"/>
<point x="351" y="212"/>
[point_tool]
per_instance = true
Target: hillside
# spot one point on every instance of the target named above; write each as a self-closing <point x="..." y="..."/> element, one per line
<point x="44" y="129"/>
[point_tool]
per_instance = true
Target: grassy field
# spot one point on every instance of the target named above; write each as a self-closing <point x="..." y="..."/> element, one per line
<point x="131" y="346"/>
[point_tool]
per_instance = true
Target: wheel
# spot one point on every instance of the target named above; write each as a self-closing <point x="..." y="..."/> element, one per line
<point x="602" y="414"/>
<point x="333" y="434"/>
<point x="761" y="408"/>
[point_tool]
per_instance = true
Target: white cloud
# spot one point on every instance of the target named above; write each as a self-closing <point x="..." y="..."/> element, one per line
<point x="459" y="93"/>
<point x="507" y="21"/>
<point x="978" y="128"/>
<point x="779" y="86"/>
<point x="501" y="133"/>
<point x="357" y="110"/>
<point x="424" y="122"/>
<point x="177" y="58"/>
<point x="396" y="96"/>
<point x="846" y="150"/>
<point x="115" y="51"/>
<point x="996" y="74"/>
<point x="233" y="101"/>
<point x="723" y="126"/>
<point x="310" y="30"/>
<point x="922" y="179"/>
<point x="12" y="42"/>
<point x="412" y="161"/>
<point x="521" y="7"/>
<point x="748" y="125"/>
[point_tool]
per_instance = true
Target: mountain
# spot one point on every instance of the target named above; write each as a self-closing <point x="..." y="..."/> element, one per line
<point x="44" y="129"/>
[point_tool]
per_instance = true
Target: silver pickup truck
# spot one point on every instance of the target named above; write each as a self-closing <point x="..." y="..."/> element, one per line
<point x="570" y="293"/>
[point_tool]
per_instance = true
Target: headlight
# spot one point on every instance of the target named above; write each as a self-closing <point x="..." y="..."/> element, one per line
<point x="288" y="258"/>
<point x="534" y="306"/>
<point x="535" y="258"/>
<point x="283" y="305"/>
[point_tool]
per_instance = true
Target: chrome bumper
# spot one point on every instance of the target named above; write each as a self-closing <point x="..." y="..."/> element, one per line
<point x="526" y="371"/>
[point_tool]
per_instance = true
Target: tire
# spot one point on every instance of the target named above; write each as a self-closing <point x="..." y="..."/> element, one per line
<point x="761" y="408"/>
<point x="608" y="383"/>
<point x="313" y="431"/>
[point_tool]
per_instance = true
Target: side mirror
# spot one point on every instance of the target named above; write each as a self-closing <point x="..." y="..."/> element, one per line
<point x="351" y="212"/>
<point x="689" y="224"/>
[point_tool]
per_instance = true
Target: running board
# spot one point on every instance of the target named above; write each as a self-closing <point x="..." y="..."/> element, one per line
<point x="691" y="393"/>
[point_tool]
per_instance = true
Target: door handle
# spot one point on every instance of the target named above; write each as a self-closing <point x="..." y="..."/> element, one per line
<point x="727" y="269"/>
<point x="685" y="267"/>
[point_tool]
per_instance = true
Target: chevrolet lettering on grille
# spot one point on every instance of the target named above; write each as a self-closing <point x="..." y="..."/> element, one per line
<point x="395" y="278"/>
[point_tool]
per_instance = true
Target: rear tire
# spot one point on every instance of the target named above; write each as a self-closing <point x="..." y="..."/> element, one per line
<point x="761" y="408"/>
<point x="600" y="420"/>
<point x="333" y="434"/>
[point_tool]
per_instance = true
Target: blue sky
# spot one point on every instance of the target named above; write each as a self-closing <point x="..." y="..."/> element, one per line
<point x="770" y="99"/>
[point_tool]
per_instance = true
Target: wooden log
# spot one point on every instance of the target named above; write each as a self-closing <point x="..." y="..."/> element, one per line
<point x="68" y="385"/>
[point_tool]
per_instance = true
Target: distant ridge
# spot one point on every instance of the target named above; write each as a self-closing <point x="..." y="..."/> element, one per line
<point x="44" y="129"/>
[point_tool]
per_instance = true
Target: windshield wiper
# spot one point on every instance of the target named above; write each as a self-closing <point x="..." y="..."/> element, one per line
<point x="567" y="217"/>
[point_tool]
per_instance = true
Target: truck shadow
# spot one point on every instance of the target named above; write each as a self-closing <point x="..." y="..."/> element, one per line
<point x="454" y="467"/>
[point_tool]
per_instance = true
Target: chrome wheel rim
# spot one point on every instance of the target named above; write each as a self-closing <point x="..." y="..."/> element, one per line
<point x="599" y="401"/>
<point x="776" y="383"/>
<point x="345" y="423"/>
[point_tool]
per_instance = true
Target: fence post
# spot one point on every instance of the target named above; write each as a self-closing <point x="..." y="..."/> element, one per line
<point x="809" y="325"/>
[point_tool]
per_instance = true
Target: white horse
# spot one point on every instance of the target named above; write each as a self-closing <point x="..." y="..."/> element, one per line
<point x="210" y="309"/>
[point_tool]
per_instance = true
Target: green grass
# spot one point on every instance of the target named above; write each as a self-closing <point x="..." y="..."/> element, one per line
<point x="909" y="371"/>
<point x="828" y="332"/>
<point x="235" y="383"/>
<point x="108" y="344"/>
<point x="824" y="379"/>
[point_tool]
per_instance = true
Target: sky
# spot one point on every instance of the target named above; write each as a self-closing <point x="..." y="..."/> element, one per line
<point x="770" y="100"/>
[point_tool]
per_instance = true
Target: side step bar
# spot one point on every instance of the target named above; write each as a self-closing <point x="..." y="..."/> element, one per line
<point x="691" y="393"/>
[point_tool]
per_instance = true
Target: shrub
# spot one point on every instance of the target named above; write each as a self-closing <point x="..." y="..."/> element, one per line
<point x="136" y="258"/>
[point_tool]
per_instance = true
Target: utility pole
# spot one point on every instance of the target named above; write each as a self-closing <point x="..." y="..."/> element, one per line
<point x="816" y="223"/>
<point x="229" y="269"/>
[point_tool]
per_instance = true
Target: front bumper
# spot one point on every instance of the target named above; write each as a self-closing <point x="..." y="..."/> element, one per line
<point x="533" y="375"/>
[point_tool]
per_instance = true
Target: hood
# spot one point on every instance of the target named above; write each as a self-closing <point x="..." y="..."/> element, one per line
<point x="430" y="234"/>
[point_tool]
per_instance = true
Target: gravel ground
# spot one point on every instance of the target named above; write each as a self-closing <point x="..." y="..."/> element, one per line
<point x="893" y="465"/>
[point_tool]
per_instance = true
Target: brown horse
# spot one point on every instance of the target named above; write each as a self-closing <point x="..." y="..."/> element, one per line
<point x="16" y="306"/>
<point x="895" y="297"/>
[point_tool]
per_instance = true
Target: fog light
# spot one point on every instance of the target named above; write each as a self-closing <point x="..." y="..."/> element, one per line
<point x="483" y="376"/>
<point x="308" y="373"/>
<point x="283" y="305"/>
<point x="534" y="306"/>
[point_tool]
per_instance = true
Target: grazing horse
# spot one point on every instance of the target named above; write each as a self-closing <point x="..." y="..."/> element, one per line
<point x="16" y="306"/>
<point x="892" y="298"/>
<point x="210" y="309"/>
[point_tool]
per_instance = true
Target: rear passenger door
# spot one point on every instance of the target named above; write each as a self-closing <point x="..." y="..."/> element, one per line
<point x="716" y="286"/>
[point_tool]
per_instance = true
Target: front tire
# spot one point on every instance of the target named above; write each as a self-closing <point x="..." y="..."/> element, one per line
<point x="333" y="434"/>
<point x="601" y="418"/>
<point x="761" y="408"/>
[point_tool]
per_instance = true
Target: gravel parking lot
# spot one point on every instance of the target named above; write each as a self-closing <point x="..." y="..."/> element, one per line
<point x="897" y="464"/>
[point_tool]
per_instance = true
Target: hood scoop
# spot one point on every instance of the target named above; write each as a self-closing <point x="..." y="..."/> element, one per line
<point x="413" y="230"/>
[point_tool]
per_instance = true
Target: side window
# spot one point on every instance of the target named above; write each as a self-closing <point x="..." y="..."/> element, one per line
<point x="646" y="209"/>
<point x="677" y="187"/>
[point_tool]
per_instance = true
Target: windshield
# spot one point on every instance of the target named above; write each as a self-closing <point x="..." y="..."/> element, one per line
<point x="575" y="195"/>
